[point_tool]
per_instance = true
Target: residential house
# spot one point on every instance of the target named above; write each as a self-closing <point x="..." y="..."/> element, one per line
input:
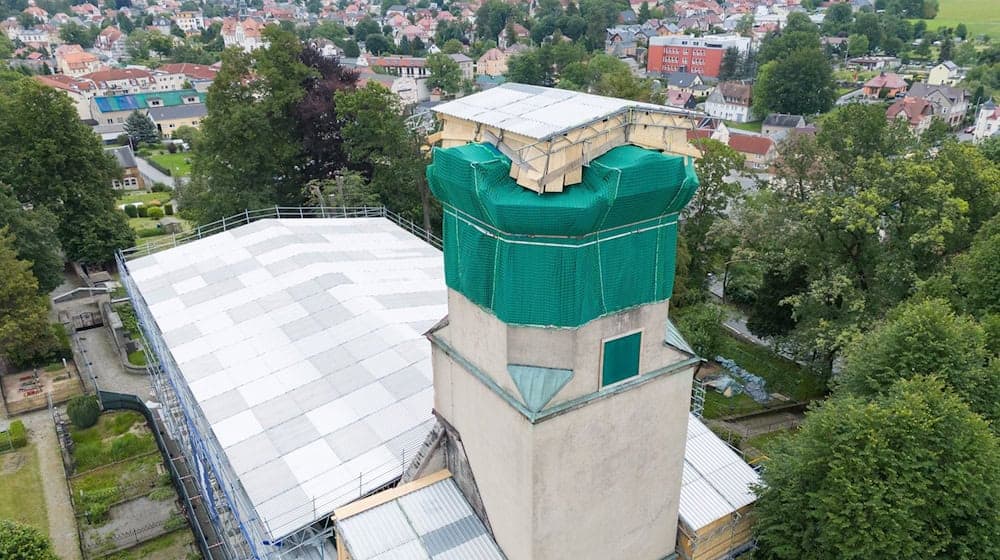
<point x="731" y="101"/>
<point x="117" y="108"/>
<point x="40" y="15"/>
<point x="404" y="67"/>
<point x="72" y="60"/>
<point x="168" y="119"/>
<point x="679" y="99"/>
<point x="694" y="84"/>
<point x="465" y="64"/>
<point x="492" y="63"/>
<point x="987" y="122"/>
<point x="884" y="86"/>
<point x="190" y="21"/>
<point x="406" y="88"/>
<point x="245" y="34"/>
<point x="917" y="112"/>
<point x="872" y="63"/>
<point x="758" y="150"/>
<point x="198" y="76"/>
<point x="80" y="91"/>
<point x="777" y="125"/>
<point x="111" y="42"/>
<point x="118" y="81"/>
<point x="36" y="38"/>
<point x="950" y="103"/>
<point x="946" y="73"/>
<point x="131" y="176"/>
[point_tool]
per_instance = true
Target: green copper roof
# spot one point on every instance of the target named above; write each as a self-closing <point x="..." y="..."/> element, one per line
<point x="561" y="259"/>
<point x="137" y="101"/>
<point x="538" y="385"/>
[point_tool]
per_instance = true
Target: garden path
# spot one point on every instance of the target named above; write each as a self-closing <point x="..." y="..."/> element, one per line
<point x="62" y="521"/>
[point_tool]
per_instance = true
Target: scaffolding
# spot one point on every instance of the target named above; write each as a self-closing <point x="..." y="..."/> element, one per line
<point x="242" y="533"/>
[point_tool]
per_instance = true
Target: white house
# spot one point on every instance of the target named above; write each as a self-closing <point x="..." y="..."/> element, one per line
<point x="731" y="101"/>
<point x="987" y="122"/>
<point x="946" y="73"/>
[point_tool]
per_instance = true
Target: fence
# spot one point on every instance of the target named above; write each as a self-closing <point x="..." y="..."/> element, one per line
<point x="205" y="536"/>
<point x="282" y="212"/>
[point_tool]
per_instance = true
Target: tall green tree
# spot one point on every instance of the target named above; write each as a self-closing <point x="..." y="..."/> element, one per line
<point x="54" y="161"/>
<point x="912" y="475"/>
<point x="800" y="83"/>
<point x="24" y="313"/>
<point x="444" y="73"/>
<point x="491" y="18"/>
<point x="716" y="193"/>
<point x="140" y="129"/>
<point x="35" y="238"/>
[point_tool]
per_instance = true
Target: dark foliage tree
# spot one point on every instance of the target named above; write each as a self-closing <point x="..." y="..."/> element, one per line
<point x="140" y="129"/>
<point x="35" y="239"/>
<point x="800" y="83"/>
<point x="23" y="542"/>
<point x="315" y="116"/>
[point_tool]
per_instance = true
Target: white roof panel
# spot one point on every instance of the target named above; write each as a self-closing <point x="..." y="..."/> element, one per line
<point x="537" y="112"/>
<point x="292" y="336"/>
<point x="716" y="481"/>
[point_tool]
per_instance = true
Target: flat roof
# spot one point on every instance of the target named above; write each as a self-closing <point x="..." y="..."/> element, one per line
<point x="301" y="342"/>
<point x="539" y="112"/>
<point x="716" y="481"/>
<point x="432" y="520"/>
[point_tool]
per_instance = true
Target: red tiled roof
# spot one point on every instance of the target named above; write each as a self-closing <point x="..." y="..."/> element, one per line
<point x="698" y="134"/>
<point x="890" y="81"/>
<point x="747" y="144"/>
<point x="64" y="82"/>
<point x="199" y="71"/>
<point x="114" y="74"/>
<point x="915" y="109"/>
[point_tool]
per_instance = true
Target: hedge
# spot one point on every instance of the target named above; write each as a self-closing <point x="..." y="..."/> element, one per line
<point x="169" y="209"/>
<point x="131" y="211"/>
<point x="158" y="167"/>
<point x="148" y="232"/>
<point x="18" y="434"/>
<point x="155" y="213"/>
<point x="83" y="411"/>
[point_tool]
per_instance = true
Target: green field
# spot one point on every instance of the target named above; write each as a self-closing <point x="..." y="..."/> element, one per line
<point x="145" y="197"/>
<point x="21" y="488"/>
<point x="980" y="16"/>
<point x="752" y="126"/>
<point x="178" y="164"/>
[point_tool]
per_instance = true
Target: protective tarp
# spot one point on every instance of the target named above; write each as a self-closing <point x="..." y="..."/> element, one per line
<point x="561" y="259"/>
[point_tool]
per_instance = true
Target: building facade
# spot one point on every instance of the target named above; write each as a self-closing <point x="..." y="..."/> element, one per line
<point x="697" y="55"/>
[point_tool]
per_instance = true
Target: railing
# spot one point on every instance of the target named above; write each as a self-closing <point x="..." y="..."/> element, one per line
<point x="280" y="212"/>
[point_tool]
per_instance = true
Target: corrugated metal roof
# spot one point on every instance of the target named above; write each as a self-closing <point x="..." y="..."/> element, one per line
<point x="537" y="112"/>
<point x="716" y="481"/>
<point x="434" y="522"/>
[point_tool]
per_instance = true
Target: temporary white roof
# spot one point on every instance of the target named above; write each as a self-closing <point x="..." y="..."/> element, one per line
<point x="432" y="523"/>
<point x="716" y="481"/>
<point x="538" y="112"/>
<point x="301" y="343"/>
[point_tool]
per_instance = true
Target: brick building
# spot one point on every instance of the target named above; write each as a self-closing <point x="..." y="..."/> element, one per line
<point x="697" y="55"/>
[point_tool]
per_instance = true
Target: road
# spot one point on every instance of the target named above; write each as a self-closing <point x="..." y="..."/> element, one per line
<point x="152" y="174"/>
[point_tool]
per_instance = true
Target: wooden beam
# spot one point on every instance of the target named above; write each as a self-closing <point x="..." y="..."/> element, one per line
<point x="389" y="495"/>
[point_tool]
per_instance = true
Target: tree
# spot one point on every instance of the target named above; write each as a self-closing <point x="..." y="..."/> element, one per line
<point x="527" y="68"/>
<point x="378" y="44"/>
<point x="444" y="73"/>
<point x="644" y="12"/>
<point x="838" y="18"/>
<point x="83" y="411"/>
<point x="348" y="189"/>
<point x="977" y="276"/>
<point x="23" y="542"/>
<point x="491" y="18"/>
<point x="24" y="321"/>
<point x="912" y="475"/>
<point x="730" y="65"/>
<point x="76" y="34"/>
<point x="54" y="161"/>
<point x="799" y="33"/>
<point x="452" y="46"/>
<point x="961" y="31"/>
<point x="715" y="194"/>
<point x="141" y="129"/>
<point x="702" y="328"/>
<point x="6" y="47"/>
<point x="351" y="49"/>
<point x="35" y="239"/>
<point x="857" y="45"/>
<point x="922" y="338"/>
<point x="800" y="83"/>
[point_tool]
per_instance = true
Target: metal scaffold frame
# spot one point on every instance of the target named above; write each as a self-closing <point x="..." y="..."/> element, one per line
<point x="243" y="534"/>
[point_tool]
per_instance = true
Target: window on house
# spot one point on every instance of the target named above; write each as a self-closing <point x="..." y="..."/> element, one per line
<point x="620" y="359"/>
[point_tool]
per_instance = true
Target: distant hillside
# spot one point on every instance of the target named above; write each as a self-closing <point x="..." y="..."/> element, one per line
<point x="980" y="16"/>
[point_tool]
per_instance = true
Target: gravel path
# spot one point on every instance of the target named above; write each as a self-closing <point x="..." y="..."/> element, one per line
<point x="96" y="346"/>
<point x="62" y="521"/>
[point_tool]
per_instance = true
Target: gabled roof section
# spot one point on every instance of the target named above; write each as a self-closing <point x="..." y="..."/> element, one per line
<point x="675" y="339"/>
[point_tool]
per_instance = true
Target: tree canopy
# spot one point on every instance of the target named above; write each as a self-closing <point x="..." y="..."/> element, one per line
<point x="444" y="73"/>
<point x="35" y="239"/>
<point x="23" y="542"/>
<point x="912" y="475"/>
<point x="24" y="313"/>
<point x="141" y="129"/>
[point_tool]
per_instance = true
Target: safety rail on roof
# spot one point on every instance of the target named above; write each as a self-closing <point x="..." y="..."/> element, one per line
<point x="282" y="212"/>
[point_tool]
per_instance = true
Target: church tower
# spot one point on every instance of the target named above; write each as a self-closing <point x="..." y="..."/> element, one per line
<point x="558" y="376"/>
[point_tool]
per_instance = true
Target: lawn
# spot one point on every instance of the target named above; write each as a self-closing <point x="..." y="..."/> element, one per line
<point x="114" y="438"/>
<point x="782" y="375"/>
<point x="980" y="16"/>
<point x="144" y="197"/>
<point x="719" y="406"/>
<point x="137" y="358"/>
<point x="21" y="489"/>
<point x="752" y="126"/>
<point x="179" y="544"/>
<point x="179" y="164"/>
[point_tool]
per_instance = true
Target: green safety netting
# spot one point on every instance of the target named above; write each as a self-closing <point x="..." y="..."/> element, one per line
<point x="561" y="259"/>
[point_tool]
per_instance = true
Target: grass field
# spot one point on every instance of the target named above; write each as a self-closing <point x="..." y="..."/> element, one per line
<point x="21" y="489"/>
<point x="752" y="126"/>
<point x="145" y="197"/>
<point x="178" y="164"/>
<point x="980" y="16"/>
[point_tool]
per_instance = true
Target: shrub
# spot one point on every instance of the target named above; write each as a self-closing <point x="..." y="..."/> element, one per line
<point x="97" y="513"/>
<point x="131" y="211"/>
<point x="160" y="168"/>
<point x="83" y="411"/>
<point x="148" y="232"/>
<point x="123" y="422"/>
<point x="142" y="211"/>
<point x="54" y="366"/>
<point x="155" y="213"/>
<point x="168" y="209"/>
<point x="18" y="434"/>
<point x="172" y="148"/>
<point x="23" y="541"/>
<point x="159" y="187"/>
<point x="129" y="445"/>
